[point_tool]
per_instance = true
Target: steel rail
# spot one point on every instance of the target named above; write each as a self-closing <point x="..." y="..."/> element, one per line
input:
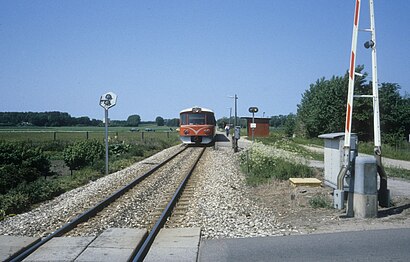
<point x="143" y="250"/>
<point x="90" y="212"/>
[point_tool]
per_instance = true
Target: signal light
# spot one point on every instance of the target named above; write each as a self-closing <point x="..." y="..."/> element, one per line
<point x="369" y="44"/>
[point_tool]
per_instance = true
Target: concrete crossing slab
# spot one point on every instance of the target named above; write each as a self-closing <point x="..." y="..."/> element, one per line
<point x="114" y="244"/>
<point x="61" y="249"/>
<point x="10" y="245"/>
<point x="175" y="244"/>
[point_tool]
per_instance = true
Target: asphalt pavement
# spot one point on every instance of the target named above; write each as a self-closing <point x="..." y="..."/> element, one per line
<point x="373" y="245"/>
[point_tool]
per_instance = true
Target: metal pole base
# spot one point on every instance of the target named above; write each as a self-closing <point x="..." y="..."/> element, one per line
<point x="384" y="198"/>
<point x="383" y="192"/>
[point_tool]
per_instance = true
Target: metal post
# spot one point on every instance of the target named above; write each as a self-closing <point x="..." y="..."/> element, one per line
<point x="230" y="116"/>
<point x="235" y="149"/>
<point x="375" y="84"/>
<point x="384" y="195"/>
<point x="236" y="115"/>
<point x="107" y="101"/>
<point x="253" y="129"/>
<point x="253" y="110"/>
<point x="106" y="141"/>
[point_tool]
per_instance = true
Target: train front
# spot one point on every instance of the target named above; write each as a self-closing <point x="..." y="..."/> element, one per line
<point x="197" y="126"/>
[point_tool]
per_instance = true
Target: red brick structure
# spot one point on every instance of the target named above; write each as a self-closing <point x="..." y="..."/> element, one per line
<point x="262" y="126"/>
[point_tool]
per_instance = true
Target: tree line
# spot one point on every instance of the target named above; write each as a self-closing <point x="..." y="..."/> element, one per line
<point x="322" y="109"/>
<point x="55" y="118"/>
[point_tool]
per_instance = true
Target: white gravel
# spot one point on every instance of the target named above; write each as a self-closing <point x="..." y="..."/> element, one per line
<point x="222" y="206"/>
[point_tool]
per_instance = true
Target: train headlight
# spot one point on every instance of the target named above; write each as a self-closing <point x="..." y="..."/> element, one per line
<point x="207" y="131"/>
<point x="186" y="131"/>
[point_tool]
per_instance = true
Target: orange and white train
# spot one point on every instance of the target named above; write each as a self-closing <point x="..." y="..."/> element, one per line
<point x="197" y="126"/>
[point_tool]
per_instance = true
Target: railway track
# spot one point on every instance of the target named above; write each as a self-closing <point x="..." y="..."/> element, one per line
<point x="127" y="197"/>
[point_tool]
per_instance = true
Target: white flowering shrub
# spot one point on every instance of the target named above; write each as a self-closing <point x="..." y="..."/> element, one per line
<point x="262" y="162"/>
<point x="280" y="141"/>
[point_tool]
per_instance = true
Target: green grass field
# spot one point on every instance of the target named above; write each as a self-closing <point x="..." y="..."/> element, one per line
<point x="67" y="134"/>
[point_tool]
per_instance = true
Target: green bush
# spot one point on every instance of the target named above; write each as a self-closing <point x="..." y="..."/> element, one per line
<point x="55" y="146"/>
<point x="26" y="194"/>
<point x="10" y="177"/>
<point x="319" y="201"/>
<point x="14" y="202"/>
<point x="40" y="190"/>
<point x="20" y="162"/>
<point x="83" y="153"/>
<point x="118" y="149"/>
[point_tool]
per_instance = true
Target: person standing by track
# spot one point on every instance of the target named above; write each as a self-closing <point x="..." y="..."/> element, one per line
<point x="227" y="130"/>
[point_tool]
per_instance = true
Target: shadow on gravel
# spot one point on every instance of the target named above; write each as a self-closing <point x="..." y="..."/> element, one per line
<point x="221" y="138"/>
<point x="393" y="211"/>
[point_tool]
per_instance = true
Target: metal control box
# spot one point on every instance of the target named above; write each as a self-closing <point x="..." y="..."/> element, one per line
<point x="237" y="132"/>
<point x="333" y="154"/>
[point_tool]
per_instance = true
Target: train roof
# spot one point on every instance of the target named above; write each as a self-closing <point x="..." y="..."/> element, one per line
<point x="203" y="109"/>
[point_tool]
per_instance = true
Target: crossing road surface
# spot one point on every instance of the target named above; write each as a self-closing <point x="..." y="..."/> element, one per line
<point x="375" y="245"/>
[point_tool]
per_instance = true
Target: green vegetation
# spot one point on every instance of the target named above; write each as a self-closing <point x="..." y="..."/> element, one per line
<point x="401" y="152"/>
<point x="83" y="153"/>
<point x="262" y="163"/>
<point x="320" y="201"/>
<point x="70" y="134"/>
<point x="322" y="110"/>
<point x="44" y="119"/>
<point x="280" y="140"/>
<point x="323" y="106"/>
<point x="20" y="163"/>
<point x="160" y="121"/>
<point x="133" y="120"/>
<point x="25" y="176"/>
<point x="398" y="172"/>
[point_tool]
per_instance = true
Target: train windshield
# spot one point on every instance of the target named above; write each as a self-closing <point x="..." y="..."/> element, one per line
<point x="197" y="119"/>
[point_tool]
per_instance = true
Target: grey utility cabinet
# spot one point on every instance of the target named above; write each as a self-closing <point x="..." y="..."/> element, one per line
<point x="333" y="152"/>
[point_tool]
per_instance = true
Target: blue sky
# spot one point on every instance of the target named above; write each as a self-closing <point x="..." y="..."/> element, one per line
<point x="160" y="57"/>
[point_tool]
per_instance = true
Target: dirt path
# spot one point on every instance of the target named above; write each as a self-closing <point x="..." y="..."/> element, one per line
<point x="387" y="162"/>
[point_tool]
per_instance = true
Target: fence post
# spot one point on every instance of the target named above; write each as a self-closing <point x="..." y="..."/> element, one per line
<point x="55" y="136"/>
<point x="87" y="135"/>
<point x="142" y="135"/>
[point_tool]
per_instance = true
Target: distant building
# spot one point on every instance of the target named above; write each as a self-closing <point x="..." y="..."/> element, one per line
<point x="262" y="126"/>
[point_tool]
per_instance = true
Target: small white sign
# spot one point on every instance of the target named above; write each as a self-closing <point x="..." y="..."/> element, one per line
<point x="253" y="125"/>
